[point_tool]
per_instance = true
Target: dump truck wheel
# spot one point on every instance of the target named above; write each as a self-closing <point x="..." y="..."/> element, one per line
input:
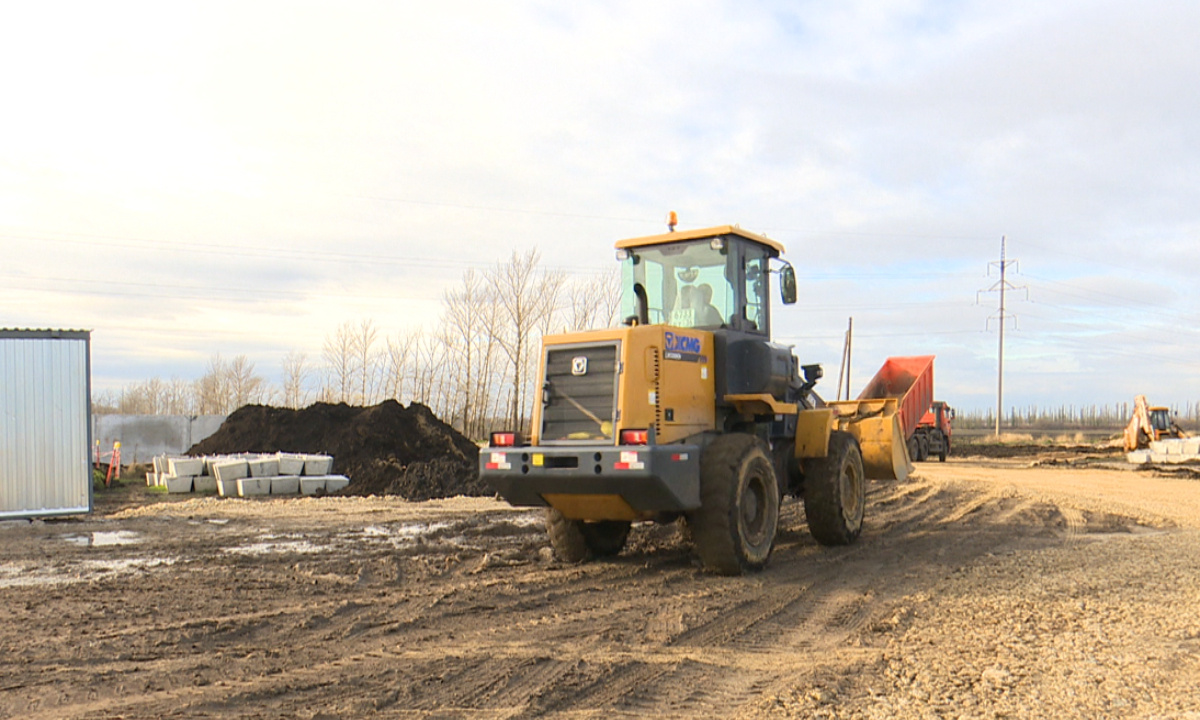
<point x="835" y="492"/>
<point x="734" y="529"/>
<point x="914" y="448"/>
<point x="575" y="541"/>
<point x="923" y="448"/>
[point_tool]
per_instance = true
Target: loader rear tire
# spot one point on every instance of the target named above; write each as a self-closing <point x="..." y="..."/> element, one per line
<point x="575" y="541"/>
<point x="734" y="529"/>
<point x="835" y="492"/>
<point x="606" y="538"/>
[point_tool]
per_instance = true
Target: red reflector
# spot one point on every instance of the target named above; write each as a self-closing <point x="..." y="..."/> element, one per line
<point x="635" y="437"/>
<point x="504" y="439"/>
<point x="620" y="466"/>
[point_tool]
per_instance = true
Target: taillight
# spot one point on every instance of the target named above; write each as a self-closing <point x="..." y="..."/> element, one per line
<point x="635" y="437"/>
<point x="504" y="439"/>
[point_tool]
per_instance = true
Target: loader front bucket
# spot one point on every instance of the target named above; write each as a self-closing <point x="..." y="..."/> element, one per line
<point x="876" y="426"/>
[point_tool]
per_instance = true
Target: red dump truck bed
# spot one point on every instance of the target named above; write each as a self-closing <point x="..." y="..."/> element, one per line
<point x="911" y="380"/>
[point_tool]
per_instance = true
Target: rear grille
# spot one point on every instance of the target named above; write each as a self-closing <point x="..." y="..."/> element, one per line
<point x="582" y="383"/>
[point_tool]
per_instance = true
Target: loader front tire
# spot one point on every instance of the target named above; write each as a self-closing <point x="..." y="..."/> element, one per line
<point x="575" y="541"/>
<point x="835" y="492"/>
<point x="734" y="529"/>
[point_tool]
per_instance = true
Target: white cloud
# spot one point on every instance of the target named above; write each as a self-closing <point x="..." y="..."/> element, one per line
<point x="330" y="162"/>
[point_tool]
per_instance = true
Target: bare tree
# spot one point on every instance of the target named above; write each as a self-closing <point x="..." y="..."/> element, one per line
<point x="212" y="388"/>
<point x="245" y="387"/>
<point x="399" y="356"/>
<point x="527" y="300"/>
<point x="593" y="302"/>
<point x="465" y="323"/>
<point x="339" y="356"/>
<point x="365" y="358"/>
<point x="295" y="376"/>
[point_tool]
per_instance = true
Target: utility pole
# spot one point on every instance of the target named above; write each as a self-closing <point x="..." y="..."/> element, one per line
<point x="844" y="370"/>
<point x="1001" y="286"/>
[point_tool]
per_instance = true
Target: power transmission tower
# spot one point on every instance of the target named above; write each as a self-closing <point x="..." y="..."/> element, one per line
<point x="1001" y="286"/>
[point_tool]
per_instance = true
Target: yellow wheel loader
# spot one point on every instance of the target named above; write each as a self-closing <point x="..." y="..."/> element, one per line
<point x="690" y="410"/>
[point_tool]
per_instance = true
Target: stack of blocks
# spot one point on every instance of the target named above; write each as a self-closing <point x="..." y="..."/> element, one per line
<point x="1172" y="450"/>
<point x="247" y="474"/>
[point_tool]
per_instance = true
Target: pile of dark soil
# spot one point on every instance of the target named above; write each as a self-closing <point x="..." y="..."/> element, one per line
<point x="386" y="449"/>
<point x="1002" y="450"/>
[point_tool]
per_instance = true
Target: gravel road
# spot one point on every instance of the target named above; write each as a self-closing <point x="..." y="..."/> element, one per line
<point x="980" y="589"/>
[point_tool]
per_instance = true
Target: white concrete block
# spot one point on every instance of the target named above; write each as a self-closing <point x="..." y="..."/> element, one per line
<point x="204" y="484"/>
<point x="160" y="464"/>
<point x="253" y="486"/>
<point x="231" y="470"/>
<point x="285" y="485"/>
<point x="1191" y="446"/>
<point x="151" y="479"/>
<point x="315" y="465"/>
<point x="226" y="488"/>
<point x="291" y="464"/>
<point x="334" y="483"/>
<point x="179" y="484"/>
<point x="1158" y="446"/>
<point x="180" y="467"/>
<point x="1174" y="447"/>
<point x="264" y="467"/>
<point x="1138" y="457"/>
<point x="312" y="485"/>
<point x="1158" y="457"/>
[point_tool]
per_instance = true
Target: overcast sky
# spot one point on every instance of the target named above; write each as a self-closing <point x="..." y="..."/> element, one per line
<point x="186" y="179"/>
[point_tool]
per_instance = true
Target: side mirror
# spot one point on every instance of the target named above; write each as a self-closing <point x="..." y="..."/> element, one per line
<point x="787" y="284"/>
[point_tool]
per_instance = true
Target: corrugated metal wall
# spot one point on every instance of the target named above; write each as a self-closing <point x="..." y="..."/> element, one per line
<point x="45" y="423"/>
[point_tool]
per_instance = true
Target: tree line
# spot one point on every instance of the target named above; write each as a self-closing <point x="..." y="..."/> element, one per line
<point x="1080" y="417"/>
<point x="475" y="368"/>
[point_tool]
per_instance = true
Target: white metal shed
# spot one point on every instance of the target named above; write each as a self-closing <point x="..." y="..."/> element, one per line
<point x="45" y="423"/>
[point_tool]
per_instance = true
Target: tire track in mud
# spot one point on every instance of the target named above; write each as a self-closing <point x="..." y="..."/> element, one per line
<point x="836" y="597"/>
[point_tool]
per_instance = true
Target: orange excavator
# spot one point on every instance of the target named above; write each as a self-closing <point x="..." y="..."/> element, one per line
<point x="1149" y="424"/>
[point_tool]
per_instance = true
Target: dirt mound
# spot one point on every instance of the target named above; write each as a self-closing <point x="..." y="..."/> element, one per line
<point x="1002" y="450"/>
<point x="385" y="449"/>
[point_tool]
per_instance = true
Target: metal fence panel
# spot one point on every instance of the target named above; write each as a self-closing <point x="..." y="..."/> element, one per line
<point x="45" y="423"/>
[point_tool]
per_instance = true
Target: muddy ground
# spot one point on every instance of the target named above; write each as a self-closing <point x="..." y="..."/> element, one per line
<point x="980" y="588"/>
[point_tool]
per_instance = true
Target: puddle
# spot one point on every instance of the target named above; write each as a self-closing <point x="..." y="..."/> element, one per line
<point x="303" y="547"/>
<point x="104" y="538"/>
<point x="12" y="575"/>
<point x="467" y="534"/>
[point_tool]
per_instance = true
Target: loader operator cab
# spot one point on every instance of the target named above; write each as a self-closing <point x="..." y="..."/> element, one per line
<point x="712" y="279"/>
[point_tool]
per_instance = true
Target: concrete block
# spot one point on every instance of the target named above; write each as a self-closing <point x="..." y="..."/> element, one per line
<point x="179" y="484"/>
<point x="204" y="484"/>
<point x="180" y="467"/>
<point x="312" y="485"/>
<point x="253" y="486"/>
<point x="1158" y="457"/>
<point x="160" y="464"/>
<point x="1191" y="446"/>
<point x="1158" y="446"/>
<point x="315" y="465"/>
<point x="231" y="470"/>
<point x="291" y="464"/>
<point x="333" y="483"/>
<point x="1174" y="447"/>
<point x="264" y="467"/>
<point x="1138" y="457"/>
<point x="226" y="488"/>
<point x="285" y="485"/>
